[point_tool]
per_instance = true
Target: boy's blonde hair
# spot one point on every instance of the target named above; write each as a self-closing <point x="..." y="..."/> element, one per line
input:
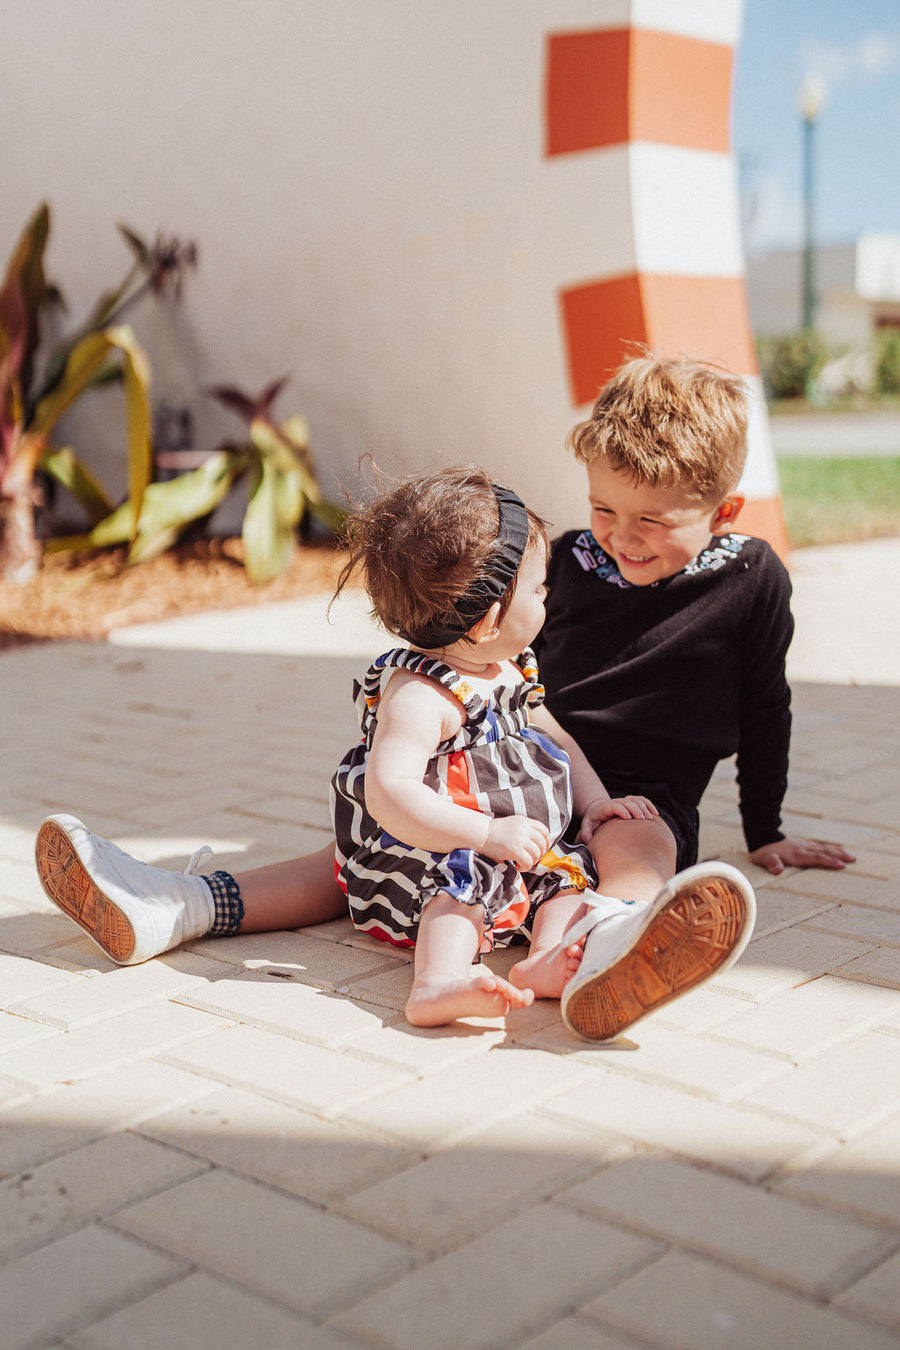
<point x="423" y="544"/>
<point x="669" y="424"/>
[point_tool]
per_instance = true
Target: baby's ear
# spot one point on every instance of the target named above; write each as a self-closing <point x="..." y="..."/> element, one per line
<point x="727" y="513"/>
<point x="485" y="630"/>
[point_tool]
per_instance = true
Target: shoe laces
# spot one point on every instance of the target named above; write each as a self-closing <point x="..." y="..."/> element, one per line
<point x="601" y="908"/>
<point x="198" y="860"/>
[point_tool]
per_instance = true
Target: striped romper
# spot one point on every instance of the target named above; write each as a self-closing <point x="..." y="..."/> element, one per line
<point x="496" y="763"/>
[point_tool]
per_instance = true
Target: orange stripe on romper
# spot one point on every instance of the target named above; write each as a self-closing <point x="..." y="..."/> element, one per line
<point x="458" y="788"/>
<point x="515" y="914"/>
<point x="458" y="781"/>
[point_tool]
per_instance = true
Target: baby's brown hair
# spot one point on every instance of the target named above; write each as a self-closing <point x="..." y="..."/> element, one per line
<point x="422" y="545"/>
<point x="669" y="424"/>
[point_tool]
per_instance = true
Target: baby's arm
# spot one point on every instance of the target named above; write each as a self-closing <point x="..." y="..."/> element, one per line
<point x="414" y="717"/>
<point x="591" y="799"/>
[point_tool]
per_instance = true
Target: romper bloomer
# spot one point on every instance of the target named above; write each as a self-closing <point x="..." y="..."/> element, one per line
<point x="496" y="763"/>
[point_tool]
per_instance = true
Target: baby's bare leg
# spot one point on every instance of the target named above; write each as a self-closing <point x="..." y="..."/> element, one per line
<point x="549" y="966"/>
<point x="446" y="985"/>
<point x="291" y="894"/>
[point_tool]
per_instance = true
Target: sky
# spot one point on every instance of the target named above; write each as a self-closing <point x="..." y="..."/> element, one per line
<point x="852" y="48"/>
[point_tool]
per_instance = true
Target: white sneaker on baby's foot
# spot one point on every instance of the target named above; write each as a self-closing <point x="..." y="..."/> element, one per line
<point x="132" y="910"/>
<point x="639" y="959"/>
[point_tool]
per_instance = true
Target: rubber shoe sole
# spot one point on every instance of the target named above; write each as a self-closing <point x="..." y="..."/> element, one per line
<point x="68" y="885"/>
<point x="688" y="940"/>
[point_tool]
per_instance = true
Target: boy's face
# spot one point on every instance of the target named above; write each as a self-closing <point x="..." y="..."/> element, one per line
<point x="651" y="532"/>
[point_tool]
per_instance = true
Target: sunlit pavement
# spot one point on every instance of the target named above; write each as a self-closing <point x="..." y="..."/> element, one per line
<point x="243" y="1144"/>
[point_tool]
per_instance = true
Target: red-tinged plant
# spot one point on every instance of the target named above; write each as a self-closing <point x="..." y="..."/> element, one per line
<point x="31" y="403"/>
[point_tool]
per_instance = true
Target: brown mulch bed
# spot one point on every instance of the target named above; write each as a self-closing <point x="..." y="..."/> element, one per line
<point x="89" y="596"/>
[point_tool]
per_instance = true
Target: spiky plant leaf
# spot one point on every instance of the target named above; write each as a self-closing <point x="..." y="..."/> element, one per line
<point x="65" y="466"/>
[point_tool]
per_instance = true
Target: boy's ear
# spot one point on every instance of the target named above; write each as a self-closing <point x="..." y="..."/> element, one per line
<point x="727" y="513"/>
<point x="485" y="630"/>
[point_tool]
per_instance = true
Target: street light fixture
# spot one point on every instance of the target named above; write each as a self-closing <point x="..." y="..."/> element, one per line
<point x="810" y="97"/>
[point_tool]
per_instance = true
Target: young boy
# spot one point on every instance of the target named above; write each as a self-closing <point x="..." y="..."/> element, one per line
<point x="664" y="646"/>
<point x="663" y="651"/>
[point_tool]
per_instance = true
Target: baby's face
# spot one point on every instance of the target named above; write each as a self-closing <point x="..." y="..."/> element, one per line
<point x="524" y="618"/>
<point x="649" y="532"/>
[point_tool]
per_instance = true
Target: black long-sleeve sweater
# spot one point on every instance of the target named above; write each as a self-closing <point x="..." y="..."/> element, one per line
<point x="658" y="683"/>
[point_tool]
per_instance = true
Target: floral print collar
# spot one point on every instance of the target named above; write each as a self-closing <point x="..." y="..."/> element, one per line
<point x="723" y="549"/>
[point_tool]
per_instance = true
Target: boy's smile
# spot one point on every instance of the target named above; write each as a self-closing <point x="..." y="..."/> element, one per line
<point x="651" y="532"/>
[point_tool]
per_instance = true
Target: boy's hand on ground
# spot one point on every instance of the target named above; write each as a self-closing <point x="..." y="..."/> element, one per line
<point x="516" y="839"/>
<point x="797" y="852"/>
<point x="605" y="808"/>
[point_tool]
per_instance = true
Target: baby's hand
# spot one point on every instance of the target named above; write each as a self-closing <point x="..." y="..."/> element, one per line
<point x="605" y="808"/>
<point x="797" y="852"/>
<point x="517" y="839"/>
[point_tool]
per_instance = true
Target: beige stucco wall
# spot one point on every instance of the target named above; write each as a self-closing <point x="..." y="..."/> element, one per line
<point x="367" y="185"/>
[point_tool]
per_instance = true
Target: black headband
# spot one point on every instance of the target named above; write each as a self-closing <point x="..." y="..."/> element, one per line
<point x="512" y="538"/>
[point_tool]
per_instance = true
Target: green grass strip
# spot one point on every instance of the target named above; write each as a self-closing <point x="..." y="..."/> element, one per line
<point x="835" y="501"/>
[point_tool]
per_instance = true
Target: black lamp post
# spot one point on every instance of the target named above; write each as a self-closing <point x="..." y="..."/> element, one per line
<point x="810" y="97"/>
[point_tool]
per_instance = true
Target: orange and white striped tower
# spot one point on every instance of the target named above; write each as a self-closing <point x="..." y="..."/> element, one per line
<point x="647" y="84"/>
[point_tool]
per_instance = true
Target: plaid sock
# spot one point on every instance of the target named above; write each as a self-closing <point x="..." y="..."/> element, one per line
<point x="229" y="907"/>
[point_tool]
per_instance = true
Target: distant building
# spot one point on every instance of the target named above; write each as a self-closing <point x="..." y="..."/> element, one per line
<point x="857" y="287"/>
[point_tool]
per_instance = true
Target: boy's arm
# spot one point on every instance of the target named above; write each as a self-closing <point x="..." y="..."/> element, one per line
<point x="414" y="717"/>
<point x="778" y="851"/>
<point x="795" y="851"/>
<point x="765" y="731"/>
<point x="765" y="704"/>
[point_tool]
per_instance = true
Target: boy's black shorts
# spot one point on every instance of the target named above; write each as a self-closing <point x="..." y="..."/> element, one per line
<point x="682" y="820"/>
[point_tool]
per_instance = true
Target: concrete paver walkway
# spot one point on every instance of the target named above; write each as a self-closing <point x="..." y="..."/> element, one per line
<point x="242" y="1142"/>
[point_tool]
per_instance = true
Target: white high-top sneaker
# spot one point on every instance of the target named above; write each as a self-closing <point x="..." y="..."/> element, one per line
<point x="640" y="956"/>
<point x="132" y="910"/>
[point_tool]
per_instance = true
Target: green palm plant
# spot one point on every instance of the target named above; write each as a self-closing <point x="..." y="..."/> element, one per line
<point x="275" y="459"/>
<point x="281" y="485"/>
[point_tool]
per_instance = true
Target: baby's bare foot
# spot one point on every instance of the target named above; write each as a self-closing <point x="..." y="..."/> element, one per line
<point x="546" y="973"/>
<point x="436" y="1001"/>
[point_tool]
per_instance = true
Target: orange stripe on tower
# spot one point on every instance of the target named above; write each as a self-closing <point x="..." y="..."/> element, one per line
<point x="764" y="518"/>
<point x="702" y="318"/>
<point x="636" y="84"/>
<point x="587" y="90"/>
